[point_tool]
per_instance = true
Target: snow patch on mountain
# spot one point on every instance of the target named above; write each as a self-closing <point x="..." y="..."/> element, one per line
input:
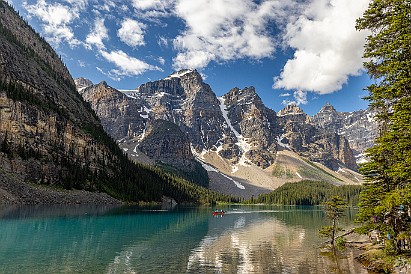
<point x="281" y="144"/>
<point x="179" y="74"/>
<point x="200" y="157"/>
<point x="241" y="141"/>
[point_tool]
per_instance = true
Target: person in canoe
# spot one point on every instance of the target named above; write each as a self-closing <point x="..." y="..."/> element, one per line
<point x="218" y="212"/>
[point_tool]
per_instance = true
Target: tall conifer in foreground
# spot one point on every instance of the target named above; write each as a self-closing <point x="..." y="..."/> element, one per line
<point x="388" y="174"/>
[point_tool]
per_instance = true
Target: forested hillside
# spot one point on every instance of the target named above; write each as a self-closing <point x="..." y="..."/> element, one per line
<point x="50" y="136"/>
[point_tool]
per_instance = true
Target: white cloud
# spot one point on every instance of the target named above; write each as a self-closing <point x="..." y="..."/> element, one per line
<point x="126" y="65"/>
<point x="285" y="94"/>
<point x="132" y="32"/>
<point x="56" y="19"/>
<point x="224" y="30"/>
<point x="300" y="98"/>
<point x="109" y="74"/>
<point x="152" y="4"/>
<point x="105" y="5"/>
<point x="97" y="34"/>
<point x="82" y="4"/>
<point x="162" y="41"/>
<point x="161" y="60"/>
<point x="328" y="49"/>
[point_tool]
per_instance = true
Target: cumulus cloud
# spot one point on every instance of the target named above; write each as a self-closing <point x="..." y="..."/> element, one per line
<point x="132" y="32"/>
<point x="285" y="94"/>
<point x="152" y="4"/>
<point x="126" y="65"/>
<point x="300" y="98"/>
<point x="105" y="5"/>
<point x="224" y="30"/>
<point x="328" y="49"/>
<point x="161" y="60"/>
<point x="56" y="19"/>
<point x="97" y="34"/>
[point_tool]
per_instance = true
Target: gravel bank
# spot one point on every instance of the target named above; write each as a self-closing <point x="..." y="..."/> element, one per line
<point x="14" y="191"/>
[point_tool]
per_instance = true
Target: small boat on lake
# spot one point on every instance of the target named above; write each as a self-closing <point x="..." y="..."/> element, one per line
<point x="218" y="212"/>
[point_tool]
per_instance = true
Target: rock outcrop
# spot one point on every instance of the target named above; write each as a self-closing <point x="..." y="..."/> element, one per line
<point x="82" y="83"/>
<point x="120" y="115"/>
<point x="165" y="142"/>
<point x="50" y="135"/>
<point x="322" y="145"/>
<point x="254" y="125"/>
<point x="359" y="127"/>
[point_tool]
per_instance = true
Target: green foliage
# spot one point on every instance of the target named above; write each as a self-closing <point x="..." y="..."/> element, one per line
<point x="340" y="243"/>
<point x="388" y="174"/>
<point x="198" y="176"/>
<point x="280" y="172"/>
<point x="309" y="193"/>
<point x="334" y="209"/>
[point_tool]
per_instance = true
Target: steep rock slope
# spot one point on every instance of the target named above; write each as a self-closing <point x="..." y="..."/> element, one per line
<point x="317" y="144"/>
<point x="253" y="124"/>
<point x="120" y="115"/>
<point x="49" y="135"/>
<point x="359" y="127"/>
<point x="183" y="98"/>
<point x="138" y="127"/>
<point x="235" y="137"/>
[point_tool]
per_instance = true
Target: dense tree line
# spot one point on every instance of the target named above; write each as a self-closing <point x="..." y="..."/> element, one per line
<point x="309" y="193"/>
<point x="199" y="175"/>
<point x="386" y="199"/>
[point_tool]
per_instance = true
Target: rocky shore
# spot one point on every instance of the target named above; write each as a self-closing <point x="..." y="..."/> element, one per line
<point x="15" y="191"/>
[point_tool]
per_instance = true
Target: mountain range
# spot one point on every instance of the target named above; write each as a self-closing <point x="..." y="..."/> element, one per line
<point x="246" y="147"/>
<point x="171" y="138"/>
<point x="51" y="140"/>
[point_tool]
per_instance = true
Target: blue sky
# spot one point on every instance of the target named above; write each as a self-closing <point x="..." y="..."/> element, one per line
<point x="302" y="51"/>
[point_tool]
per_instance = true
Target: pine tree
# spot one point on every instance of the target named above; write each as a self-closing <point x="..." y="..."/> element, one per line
<point x="388" y="53"/>
<point x="334" y="209"/>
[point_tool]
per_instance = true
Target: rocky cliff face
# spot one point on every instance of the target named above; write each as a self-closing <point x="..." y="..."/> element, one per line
<point x="120" y="115"/>
<point x="82" y="83"/>
<point x="253" y="125"/>
<point x="41" y="116"/>
<point x="317" y="144"/>
<point x="183" y="98"/>
<point x="358" y="127"/>
<point x="48" y="134"/>
<point x="164" y="141"/>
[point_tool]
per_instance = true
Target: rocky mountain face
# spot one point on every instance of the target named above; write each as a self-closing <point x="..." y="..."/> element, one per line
<point x="164" y="141"/>
<point x="50" y="135"/>
<point x="41" y="114"/>
<point x="237" y="126"/>
<point x="82" y="83"/>
<point x="253" y="125"/>
<point x="183" y="98"/>
<point x="358" y="127"/>
<point x="120" y="115"/>
<point x="319" y="144"/>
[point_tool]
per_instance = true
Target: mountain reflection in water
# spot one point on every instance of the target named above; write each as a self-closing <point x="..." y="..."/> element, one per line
<point x="247" y="239"/>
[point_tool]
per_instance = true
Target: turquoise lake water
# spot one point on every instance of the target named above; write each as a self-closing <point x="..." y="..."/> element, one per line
<point x="104" y="239"/>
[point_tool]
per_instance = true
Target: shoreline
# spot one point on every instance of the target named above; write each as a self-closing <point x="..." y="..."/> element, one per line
<point x="14" y="191"/>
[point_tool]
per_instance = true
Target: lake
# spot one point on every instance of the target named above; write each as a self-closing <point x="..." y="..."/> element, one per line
<point x="107" y="239"/>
